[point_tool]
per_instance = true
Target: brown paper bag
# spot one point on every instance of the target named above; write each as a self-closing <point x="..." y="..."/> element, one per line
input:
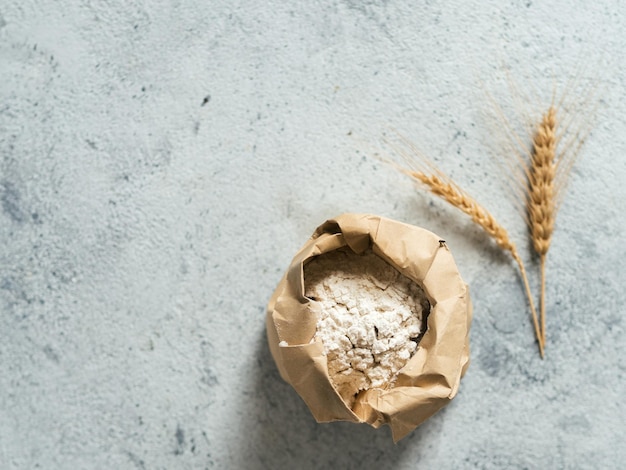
<point x="430" y="379"/>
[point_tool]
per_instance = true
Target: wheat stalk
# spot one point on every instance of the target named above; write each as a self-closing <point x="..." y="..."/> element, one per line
<point x="443" y="187"/>
<point x="541" y="198"/>
<point x="551" y="162"/>
<point x="539" y="161"/>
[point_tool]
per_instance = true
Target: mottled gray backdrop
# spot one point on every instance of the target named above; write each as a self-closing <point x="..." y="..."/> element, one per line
<point x="161" y="162"/>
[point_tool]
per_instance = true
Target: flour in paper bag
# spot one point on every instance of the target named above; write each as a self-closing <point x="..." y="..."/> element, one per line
<point x="370" y="321"/>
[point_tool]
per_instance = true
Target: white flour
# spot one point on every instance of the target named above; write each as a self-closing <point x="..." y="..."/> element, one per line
<point x="370" y="321"/>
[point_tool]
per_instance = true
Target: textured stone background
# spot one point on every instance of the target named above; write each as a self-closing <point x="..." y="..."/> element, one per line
<point x="161" y="162"/>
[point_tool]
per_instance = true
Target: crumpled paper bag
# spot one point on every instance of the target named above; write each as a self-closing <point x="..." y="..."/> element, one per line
<point x="429" y="380"/>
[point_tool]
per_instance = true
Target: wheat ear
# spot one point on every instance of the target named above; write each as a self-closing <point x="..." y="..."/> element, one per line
<point x="444" y="188"/>
<point x="541" y="200"/>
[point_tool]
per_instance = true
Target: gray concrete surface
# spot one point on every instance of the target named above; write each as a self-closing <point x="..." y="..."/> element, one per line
<point x="161" y="162"/>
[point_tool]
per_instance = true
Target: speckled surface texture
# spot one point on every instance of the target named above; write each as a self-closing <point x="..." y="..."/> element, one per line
<point x="160" y="164"/>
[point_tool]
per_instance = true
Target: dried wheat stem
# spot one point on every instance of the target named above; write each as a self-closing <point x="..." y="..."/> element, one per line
<point x="538" y="332"/>
<point x="542" y="196"/>
<point x="461" y="200"/>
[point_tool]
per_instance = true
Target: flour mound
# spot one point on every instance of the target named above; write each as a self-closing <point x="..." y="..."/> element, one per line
<point x="371" y="318"/>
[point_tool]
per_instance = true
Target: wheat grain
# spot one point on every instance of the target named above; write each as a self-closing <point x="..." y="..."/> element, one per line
<point x="541" y="190"/>
<point x="458" y="198"/>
